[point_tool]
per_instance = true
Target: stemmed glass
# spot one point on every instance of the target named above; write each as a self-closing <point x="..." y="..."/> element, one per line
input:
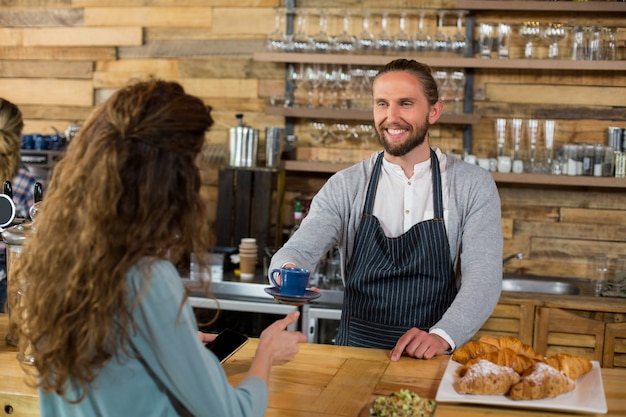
<point x="548" y="135"/>
<point x="422" y="40"/>
<point x="333" y="88"/>
<point x="312" y="78"/>
<point x="318" y="132"/>
<point x="532" y="133"/>
<point x="276" y="40"/>
<point x="296" y="77"/>
<point x="529" y="32"/>
<point x="365" y="132"/>
<point x="301" y="41"/>
<point x="322" y="42"/>
<point x="443" y="84"/>
<point x="518" y="152"/>
<point x="457" y="84"/>
<point x="345" y="42"/>
<point x="459" y="40"/>
<point x="340" y="131"/>
<point x="365" y="40"/>
<point x="554" y="33"/>
<point x="384" y="41"/>
<point x="402" y="41"/>
<point x="358" y="93"/>
<point x="344" y="80"/>
<point x="501" y="137"/>
<point x="441" y="43"/>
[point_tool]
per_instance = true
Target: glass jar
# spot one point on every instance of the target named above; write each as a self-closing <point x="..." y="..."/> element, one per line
<point x="14" y="237"/>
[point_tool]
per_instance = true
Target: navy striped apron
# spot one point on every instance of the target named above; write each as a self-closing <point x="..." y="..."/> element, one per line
<point x="394" y="284"/>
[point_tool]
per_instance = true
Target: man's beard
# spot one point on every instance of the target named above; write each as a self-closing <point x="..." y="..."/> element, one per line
<point x="416" y="139"/>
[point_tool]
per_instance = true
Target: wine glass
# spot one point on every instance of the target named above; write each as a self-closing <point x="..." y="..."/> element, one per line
<point x="340" y="131"/>
<point x="318" y="132"/>
<point x="529" y="32"/>
<point x="301" y="41"/>
<point x="357" y="76"/>
<point x="459" y="40"/>
<point x="344" y="80"/>
<point x="365" y="132"/>
<point x="345" y="42"/>
<point x="384" y="41"/>
<point x="365" y="40"/>
<point x="441" y="43"/>
<point x="554" y="33"/>
<point x="332" y="87"/>
<point x="276" y="40"/>
<point x="312" y="79"/>
<point x="442" y="79"/>
<point x="322" y="42"/>
<point x="421" y="43"/>
<point x="456" y="80"/>
<point x="402" y="41"/>
<point x="296" y="78"/>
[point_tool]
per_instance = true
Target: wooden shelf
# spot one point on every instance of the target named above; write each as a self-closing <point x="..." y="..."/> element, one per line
<point x="536" y="179"/>
<point x="441" y="62"/>
<point x="336" y="114"/>
<point x="560" y="180"/>
<point x="543" y="6"/>
<point x="315" y="166"/>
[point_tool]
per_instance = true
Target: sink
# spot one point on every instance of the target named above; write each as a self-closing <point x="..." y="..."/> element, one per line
<point x="543" y="286"/>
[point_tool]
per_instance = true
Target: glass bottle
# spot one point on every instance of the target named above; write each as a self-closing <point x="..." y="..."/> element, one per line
<point x="298" y="215"/>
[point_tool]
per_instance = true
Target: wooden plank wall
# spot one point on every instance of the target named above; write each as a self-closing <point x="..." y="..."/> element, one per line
<point x="59" y="58"/>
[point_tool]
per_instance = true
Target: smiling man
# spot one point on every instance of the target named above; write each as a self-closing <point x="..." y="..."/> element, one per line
<point x="419" y="233"/>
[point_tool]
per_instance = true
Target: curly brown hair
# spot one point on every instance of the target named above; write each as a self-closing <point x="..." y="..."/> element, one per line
<point x="127" y="189"/>
<point x="11" y="125"/>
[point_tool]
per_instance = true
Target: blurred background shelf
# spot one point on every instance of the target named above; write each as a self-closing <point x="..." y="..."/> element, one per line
<point x="337" y="114"/>
<point x="536" y="179"/>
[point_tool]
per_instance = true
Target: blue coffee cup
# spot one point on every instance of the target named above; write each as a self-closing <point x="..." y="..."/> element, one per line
<point x="293" y="281"/>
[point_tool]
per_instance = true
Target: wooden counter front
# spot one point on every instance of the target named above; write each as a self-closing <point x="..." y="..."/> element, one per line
<point x="323" y="381"/>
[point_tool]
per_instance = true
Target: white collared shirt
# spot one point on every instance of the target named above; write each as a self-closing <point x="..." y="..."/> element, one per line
<point x="402" y="202"/>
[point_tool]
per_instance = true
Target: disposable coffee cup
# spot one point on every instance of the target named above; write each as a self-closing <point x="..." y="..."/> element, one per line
<point x="247" y="266"/>
<point x="290" y="281"/>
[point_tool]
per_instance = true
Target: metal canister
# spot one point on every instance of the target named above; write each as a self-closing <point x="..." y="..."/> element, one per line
<point x="273" y="146"/>
<point x="614" y="138"/>
<point x="243" y="144"/>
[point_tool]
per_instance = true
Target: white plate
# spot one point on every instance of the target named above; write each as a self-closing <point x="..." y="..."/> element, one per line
<point x="588" y="397"/>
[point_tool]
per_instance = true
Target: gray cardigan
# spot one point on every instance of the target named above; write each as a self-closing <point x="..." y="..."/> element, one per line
<point x="474" y="234"/>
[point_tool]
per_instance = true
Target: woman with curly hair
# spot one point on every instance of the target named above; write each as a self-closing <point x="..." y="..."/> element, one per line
<point x="12" y="169"/>
<point x="108" y="320"/>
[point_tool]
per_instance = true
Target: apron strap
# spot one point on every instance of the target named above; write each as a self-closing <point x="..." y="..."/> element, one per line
<point x="373" y="186"/>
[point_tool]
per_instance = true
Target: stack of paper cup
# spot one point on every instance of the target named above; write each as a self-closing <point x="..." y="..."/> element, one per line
<point x="248" y="251"/>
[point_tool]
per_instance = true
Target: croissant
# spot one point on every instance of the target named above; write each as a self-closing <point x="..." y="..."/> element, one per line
<point x="472" y="350"/>
<point x="504" y="357"/>
<point x="512" y="343"/>
<point x="486" y="378"/>
<point x="541" y="381"/>
<point x="571" y="365"/>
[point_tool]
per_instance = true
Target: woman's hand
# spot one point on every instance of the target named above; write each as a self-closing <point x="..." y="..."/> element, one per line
<point x="277" y="346"/>
<point x="206" y="337"/>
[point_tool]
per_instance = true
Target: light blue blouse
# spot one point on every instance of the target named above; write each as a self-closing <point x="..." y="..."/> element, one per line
<point x="174" y="369"/>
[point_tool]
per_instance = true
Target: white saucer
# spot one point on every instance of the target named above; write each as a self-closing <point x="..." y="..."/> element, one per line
<point x="292" y="299"/>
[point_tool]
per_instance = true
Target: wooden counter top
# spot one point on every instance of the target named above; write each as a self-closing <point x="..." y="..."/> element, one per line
<point x="322" y="381"/>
